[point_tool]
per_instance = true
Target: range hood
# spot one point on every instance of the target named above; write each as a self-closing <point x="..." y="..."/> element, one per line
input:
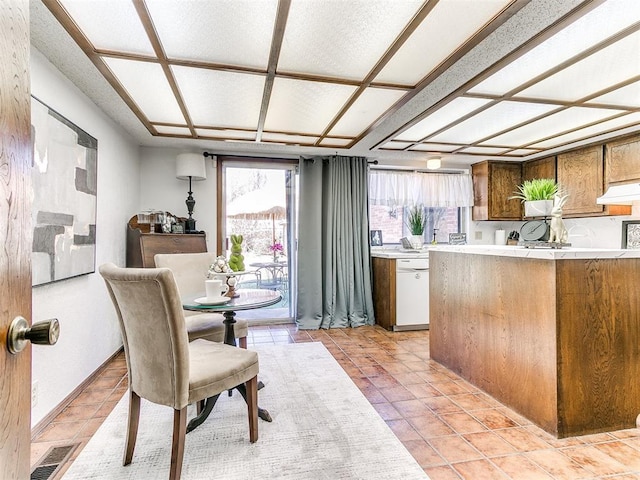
<point x="620" y="195"/>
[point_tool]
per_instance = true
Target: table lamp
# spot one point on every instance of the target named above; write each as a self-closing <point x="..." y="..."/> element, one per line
<point x="190" y="166"/>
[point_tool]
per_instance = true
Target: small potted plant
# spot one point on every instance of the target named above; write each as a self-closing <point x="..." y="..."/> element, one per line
<point x="537" y="196"/>
<point x="416" y="222"/>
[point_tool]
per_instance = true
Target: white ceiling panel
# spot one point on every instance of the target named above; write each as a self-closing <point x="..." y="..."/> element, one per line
<point x="226" y="133"/>
<point x="153" y="96"/>
<point x="596" y="26"/>
<point x="334" y="142"/>
<point x="492" y="120"/>
<point x="628" y="96"/>
<point x="342" y="38"/>
<point x="394" y="145"/>
<point x="593" y="74"/>
<point x="296" y="139"/>
<point x="434" y="147"/>
<point x="483" y="150"/>
<point x="304" y="107"/>
<point x="616" y="123"/>
<point x="166" y="130"/>
<point x="110" y="28"/>
<point x="221" y="99"/>
<point x="552" y="125"/>
<point x="370" y="105"/>
<point x="234" y="32"/>
<point x="434" y="40"/>
<point x="441" y="118"/>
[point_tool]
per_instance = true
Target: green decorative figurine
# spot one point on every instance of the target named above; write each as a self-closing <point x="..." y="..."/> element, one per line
<point x="236" y="260"/>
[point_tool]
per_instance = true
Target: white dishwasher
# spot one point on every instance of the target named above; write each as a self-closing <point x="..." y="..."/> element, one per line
<point x="412" y="294"/>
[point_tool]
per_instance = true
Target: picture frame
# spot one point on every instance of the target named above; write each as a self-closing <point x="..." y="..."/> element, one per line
<point x="177" y="228"/>
<point x="457" y="239"/>
<point x="631" y="235"/>
<point x="375" y="238"/>
<point x="64" y="182"/>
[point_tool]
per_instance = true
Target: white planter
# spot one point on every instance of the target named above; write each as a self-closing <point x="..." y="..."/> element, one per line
<point x="417" y="241"/>
<point x="538" y="208"/>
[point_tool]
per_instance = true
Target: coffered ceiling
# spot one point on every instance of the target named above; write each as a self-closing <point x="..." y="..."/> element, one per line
<point x="460" y="79"/>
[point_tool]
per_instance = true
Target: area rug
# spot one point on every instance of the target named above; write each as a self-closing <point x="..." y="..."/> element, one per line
<point x="323" y="428"/>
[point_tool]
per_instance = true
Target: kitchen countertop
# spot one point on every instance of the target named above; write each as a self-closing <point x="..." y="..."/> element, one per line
<point x="394" y="253"/>
<point x="565" y="253"/>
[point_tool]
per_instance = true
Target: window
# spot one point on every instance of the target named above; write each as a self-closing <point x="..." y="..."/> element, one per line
<point x="444" y="198"/>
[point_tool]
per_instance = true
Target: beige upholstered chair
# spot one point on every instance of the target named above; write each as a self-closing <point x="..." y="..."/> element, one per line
<point x="164" y="367"/>
<point x="190" y="272"/>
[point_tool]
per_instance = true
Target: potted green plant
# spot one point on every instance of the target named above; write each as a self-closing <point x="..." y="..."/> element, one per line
<point x="416" y="222"/>
<point x="537" y="195"/>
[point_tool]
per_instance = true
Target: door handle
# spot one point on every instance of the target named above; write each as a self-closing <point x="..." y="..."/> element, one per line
<point x="41" y="333"/>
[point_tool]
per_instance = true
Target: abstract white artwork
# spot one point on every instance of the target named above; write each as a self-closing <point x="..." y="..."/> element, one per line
<point x="64" y="177"/>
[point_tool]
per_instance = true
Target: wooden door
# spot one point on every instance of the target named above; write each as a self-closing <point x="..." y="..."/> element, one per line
<point x="15" y="236"/>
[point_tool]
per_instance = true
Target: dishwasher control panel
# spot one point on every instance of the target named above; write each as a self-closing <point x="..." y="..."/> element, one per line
<point x="412" y="264"/>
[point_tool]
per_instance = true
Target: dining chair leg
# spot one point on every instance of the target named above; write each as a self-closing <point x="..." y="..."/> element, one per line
<point x="177" y="444"/>
<point x="132" y="427"/>
<point x="199" y="407"/>
<point x="252" y="407"/>
<point x="242" y="341"/>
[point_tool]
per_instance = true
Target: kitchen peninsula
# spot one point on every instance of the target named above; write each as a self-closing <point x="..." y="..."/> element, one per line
<point x="553" y="334"/>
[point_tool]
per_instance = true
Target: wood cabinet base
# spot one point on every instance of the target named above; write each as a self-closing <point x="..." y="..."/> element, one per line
<point x="556" y="340"/>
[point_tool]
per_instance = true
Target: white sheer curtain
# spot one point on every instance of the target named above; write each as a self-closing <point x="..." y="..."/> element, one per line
<point x="414" y="188"/>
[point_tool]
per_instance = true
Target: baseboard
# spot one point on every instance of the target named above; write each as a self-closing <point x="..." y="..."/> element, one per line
<point x="406" y="328"/>
<point x="42" y="424"/>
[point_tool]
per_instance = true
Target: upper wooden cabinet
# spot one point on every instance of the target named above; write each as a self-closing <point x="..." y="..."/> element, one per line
<point x="493" y="183"/>
<point x="623" y="161"/>
<point x="581" y="176"/>
<point x="540" y="168"/>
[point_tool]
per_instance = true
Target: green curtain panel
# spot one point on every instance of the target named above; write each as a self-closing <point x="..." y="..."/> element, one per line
<point x="334" y="281"/>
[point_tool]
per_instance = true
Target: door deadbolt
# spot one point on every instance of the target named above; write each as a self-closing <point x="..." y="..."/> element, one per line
<point x="41" y="333"/>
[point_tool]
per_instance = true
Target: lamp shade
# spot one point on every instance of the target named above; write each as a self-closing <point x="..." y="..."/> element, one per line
<point x="190" y="165"/>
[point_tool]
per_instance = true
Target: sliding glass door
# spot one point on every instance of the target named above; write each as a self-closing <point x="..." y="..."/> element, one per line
<point x="259" y="204"/>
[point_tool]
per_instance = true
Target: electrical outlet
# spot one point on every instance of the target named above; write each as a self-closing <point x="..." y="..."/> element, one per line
<point x="34" y="394"/>
<point x="478" y="235"/>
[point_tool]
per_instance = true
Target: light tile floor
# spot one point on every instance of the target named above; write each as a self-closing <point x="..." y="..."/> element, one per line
<point x="452" y="429"/>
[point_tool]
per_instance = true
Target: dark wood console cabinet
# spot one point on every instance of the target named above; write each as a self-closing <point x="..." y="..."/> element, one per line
<point x="142" y="246"/>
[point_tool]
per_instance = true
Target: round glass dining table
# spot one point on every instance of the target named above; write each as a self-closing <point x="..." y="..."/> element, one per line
<point x="244" y="299"/>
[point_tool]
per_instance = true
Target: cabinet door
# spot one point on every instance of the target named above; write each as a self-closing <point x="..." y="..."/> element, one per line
<point x="384" y="291"/>
<point x="623" y="161"/>
<point x="580" y="175"/>
<point x="504" y="178"/>
<point x="169" y="243"/>
<point x="541" y="168"/>
<point x="480" y="209"/>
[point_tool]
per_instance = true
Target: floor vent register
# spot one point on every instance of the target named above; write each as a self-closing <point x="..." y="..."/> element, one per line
<point x="50" y="463"/>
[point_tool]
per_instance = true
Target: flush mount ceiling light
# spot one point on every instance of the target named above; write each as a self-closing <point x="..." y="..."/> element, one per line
<point x="434" y="163"/>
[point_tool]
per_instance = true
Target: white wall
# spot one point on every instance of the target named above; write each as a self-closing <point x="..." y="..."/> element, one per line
<point x="597" y="232"/>
<point x="161" y="190"/>
<point x="89" y="332"/>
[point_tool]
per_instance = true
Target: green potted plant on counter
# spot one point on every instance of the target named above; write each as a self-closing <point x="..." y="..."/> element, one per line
<point x="416" y="222"/>
<point x="537" y="195"/>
